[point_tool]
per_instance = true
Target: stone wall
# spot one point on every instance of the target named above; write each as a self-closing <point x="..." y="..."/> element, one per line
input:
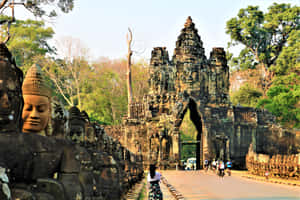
<point x="278" y="165"/>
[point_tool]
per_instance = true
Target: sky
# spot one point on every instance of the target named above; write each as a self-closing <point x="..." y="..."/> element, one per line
<point x="101" y="26"/>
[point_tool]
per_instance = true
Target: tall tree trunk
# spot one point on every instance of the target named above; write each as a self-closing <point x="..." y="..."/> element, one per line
<point x="129" y="87"/>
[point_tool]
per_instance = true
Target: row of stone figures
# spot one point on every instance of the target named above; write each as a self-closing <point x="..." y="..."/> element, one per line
<point x="47" y="153"/>
<point x="283" y="166"/>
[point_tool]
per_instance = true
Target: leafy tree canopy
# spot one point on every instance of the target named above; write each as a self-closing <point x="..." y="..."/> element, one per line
<point x="289" y="59"/>
<point x="263" y="35"/>
<point x="246" y="96"/>
<point x="29" y="39"/>
<point x="271" y="41"/>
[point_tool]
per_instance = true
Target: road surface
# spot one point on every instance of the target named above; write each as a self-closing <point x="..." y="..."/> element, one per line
<point x="198" y="185"/>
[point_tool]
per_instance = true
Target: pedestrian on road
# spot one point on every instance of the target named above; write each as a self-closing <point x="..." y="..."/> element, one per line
<point x="221" y="168"/>
<point x="228" y="167"/>
<point x="154" y="187"/>
<point x="206" y="165"/>
<point x="214" y="165"/>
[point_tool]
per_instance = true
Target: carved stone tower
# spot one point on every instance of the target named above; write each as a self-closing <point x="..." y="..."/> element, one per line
<point x="192" y="82"/>
<point x="190" y="61"/>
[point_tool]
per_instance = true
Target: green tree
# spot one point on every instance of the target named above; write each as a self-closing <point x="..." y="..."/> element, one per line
<point x="246" y="96"/>
<point x="283" y="100"/>
<point x="29" y="38"/>
<point x="140" y="76"/>
<point x="109" y="89"/>
<point x="271" y="41"/>
<point x="263" y="35"/>
<point x="244" y="61"/>
<point x="288" y="61"/>
<point x="71" y="73"/>
<point x="105" y="96"/>
<point x="284" y="95"/>
<point x="187" y="151"/>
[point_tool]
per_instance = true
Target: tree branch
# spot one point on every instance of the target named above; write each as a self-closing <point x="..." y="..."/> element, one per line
<point x="58" y="86"/>
<point x="3" y="3"/>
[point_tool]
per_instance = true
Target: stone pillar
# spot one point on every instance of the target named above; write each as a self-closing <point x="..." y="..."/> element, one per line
<point x="176" y="146"/>
<point x="253" y="136"/>
<point x="206" y="142"/>
<point x="227" y="150"/>
<point x="160" y="156"/>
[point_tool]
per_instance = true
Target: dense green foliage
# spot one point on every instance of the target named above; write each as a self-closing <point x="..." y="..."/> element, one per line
<point x="99" y="88"/>
<point x="246" y="96"/>
<point x="283" y="97"/>
<point x="263" y="35"/>
<point x="187" y="151"/>
<point x="29" y="39"/>
<point x="244" y="61"/>
<point x="105" y="93"/>
<point x="271" y="40"/>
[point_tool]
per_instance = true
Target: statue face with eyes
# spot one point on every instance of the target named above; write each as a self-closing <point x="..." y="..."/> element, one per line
<point x="10" y="97"/>
<point x="36" y="113"/>
<point x="76" y="133"/>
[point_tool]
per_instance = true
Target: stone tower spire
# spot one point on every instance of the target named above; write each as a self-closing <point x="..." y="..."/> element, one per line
<point x="189" y="23"/>
<point x="189" y="45"/>
<point x="159" y="56"/>
<point x="189" y="59"/>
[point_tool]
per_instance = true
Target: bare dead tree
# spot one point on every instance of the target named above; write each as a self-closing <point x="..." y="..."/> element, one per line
<point x="129" y="55"/>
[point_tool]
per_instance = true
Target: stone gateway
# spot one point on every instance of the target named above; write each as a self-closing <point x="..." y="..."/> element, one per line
<point x="191" y="81"/>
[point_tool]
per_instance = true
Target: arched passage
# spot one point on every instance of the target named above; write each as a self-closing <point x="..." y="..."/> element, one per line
<point x="196" y="120"/>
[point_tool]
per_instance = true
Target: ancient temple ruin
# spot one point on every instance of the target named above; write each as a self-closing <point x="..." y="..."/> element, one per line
<point x="191" y="81"/>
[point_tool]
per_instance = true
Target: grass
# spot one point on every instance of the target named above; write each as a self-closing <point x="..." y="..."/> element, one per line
<point x="143" y="193"/>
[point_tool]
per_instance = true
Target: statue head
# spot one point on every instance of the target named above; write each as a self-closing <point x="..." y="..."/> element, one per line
<point x="36" y="93"/>
<point x="89" y="128"/>
<point x="58" y="118"/>
<point x="11" y="101"/>
<point x="76" y="125"/>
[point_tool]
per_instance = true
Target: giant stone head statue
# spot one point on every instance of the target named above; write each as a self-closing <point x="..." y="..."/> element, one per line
<point x="37" y="94"/>
<point x="11" y="101"/>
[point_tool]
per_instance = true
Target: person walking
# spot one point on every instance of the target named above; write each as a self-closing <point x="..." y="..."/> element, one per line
<point x="205" y="165"/>
<point x="214" y="165"/>
<point x="221" y="168"/>
<point x="153" y="182"/>
<point x="228" y="167"/>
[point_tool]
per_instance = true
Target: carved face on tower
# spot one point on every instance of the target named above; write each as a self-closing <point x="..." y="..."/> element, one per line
<point x="11" y="101"/>
<point x="36" y="111"/>
<point x="189" y="76"/>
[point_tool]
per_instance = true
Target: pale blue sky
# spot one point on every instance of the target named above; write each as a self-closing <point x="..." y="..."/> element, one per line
<point x="102" y="24"/>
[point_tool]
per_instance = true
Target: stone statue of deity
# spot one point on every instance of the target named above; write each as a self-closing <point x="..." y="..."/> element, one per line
<point x="58" y="119"/>
<point x="76" y="126"/>
<point x="37" y="108"/>
<point x="30" y="161"/>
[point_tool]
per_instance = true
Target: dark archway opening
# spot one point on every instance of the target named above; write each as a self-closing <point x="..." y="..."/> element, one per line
<point x="194" y="141"/>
